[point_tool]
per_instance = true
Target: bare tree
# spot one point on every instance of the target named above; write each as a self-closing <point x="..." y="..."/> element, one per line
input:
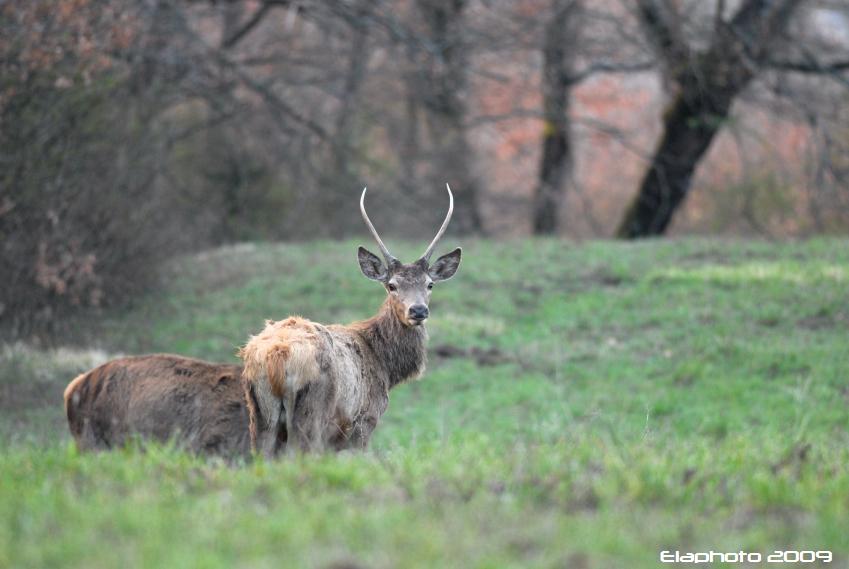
<point x="706" y="82"/>
<point x="80" y="174"/>
<point x="559" y="51"/>
<point x="442" y="86"/>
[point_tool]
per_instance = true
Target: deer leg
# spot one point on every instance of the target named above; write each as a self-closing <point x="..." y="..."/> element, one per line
<point x="288" y="417"/>
<point x="268" y="423"/>
<point x="267" y="437"/>
<point x="361" y="433"/>
<point x="311" y="420"/>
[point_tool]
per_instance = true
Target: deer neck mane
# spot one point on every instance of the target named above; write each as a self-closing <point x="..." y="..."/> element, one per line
<point x="399" y="349"/>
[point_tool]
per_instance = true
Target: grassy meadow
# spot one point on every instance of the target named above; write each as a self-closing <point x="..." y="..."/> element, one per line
<point x="585" y="406"/>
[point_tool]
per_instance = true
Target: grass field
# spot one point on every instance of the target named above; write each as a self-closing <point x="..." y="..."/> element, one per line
<point x="584" y="406"/>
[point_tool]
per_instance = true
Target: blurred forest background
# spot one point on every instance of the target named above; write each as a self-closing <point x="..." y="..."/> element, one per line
<point x="131" y="131"/>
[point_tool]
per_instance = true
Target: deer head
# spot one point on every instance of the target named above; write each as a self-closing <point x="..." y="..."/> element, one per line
<point x="409" y="285"/>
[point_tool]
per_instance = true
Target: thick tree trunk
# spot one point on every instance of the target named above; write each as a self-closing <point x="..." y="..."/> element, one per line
<point x="354" y="79"/>
<point x="455" y="167"/>
<point x="556" y="159"/>
<point x="341" y="180"/>
<point x="409" y="149"/>
<point x="688" y="130"/>
<point x="444" y="87"/>
<point x="708" y="82"/>
<point x="548" y="196"/>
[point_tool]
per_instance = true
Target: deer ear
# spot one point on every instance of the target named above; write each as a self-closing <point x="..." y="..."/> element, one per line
<point x="445" y="266"/>
<point x="370" y="265"/>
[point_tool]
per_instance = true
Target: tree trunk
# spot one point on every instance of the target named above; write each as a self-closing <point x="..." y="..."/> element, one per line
<point x="708" y="82"/>
<point x="345" y="174"/>
<point x="408" y="150"/>
<point x="445" y="85"/>
<point x="556" y="160"/>
<point x="340" y="180"/>
<point x="688" y="130"/>
<point x="456" y="169"/>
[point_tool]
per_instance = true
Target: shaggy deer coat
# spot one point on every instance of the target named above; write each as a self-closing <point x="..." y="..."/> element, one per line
<point x="198" y="405"/>
<point x="332" y="382"/>
<point x="327" y="386"/>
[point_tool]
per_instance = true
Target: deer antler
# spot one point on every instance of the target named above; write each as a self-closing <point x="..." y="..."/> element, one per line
<point x="386" y="254"/>
<point x="429" y="251"/>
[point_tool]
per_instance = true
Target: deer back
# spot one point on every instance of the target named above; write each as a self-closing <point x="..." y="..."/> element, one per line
<point x="197" y="404"/>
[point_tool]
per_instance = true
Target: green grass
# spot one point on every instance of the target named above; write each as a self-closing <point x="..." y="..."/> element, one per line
<point x="606" y="401"/>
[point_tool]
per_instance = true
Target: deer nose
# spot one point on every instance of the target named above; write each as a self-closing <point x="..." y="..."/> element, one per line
<point x="418" y="312"/>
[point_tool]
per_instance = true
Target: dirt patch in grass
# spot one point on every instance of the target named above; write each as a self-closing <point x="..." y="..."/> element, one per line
<point x="605" y="277"/>
<point x="483" y="356"/>
<point x="822" y="320"/>
<point x="769" y="322"/>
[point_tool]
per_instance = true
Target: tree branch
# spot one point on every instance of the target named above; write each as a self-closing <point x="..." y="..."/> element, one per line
<point x="603" y="67"/>
<point x="248" y="26"/>
<point x="812" y="67"/>
<point x="270" y="98"/>
<point x="658" y="16"/>
<point x="757" y="22"/>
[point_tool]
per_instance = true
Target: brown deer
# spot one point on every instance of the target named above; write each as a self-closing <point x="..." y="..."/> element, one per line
<point x="315" y="386"/>
<point x="198" y="405"/>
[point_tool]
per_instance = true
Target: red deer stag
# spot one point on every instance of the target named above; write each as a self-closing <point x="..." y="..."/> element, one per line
<point x="320" y="386"/>
<point x="198" y="405"/>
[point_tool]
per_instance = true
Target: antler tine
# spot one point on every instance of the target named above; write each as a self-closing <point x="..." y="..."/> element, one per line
<point x="429" y="251"/>
<point x="386" y="254"/>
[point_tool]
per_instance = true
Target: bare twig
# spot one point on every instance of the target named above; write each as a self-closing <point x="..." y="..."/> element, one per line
<point x="248" y="26"/>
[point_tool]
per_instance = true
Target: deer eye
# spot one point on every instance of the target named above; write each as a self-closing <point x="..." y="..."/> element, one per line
<point x="392" y="287"/>
<point x="429" y="286"/>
